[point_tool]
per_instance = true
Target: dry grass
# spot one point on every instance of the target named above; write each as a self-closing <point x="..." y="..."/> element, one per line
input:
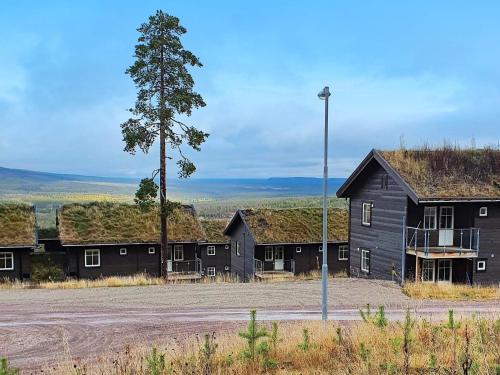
<point x="360" y="348"/>
<point x="105" y="222"/>
<point x="17" y="225"/>
<point x="214" y="230"/>
<point x="448" y="171"/>
<point x="296" y="225"/>
<point x="450" y="291"/>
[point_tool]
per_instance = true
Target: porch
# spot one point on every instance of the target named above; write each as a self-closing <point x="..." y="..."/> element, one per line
<point x="443" y="270"/>
<point x="442" y="243"/>
<point x="184" y="269"/>
<point x="280" y="269"/>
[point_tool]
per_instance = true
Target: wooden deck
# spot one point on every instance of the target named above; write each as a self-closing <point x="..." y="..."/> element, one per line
<point x="269" y="275"/>
<point x="442" y="252"/>
<point x="184" y="276"/>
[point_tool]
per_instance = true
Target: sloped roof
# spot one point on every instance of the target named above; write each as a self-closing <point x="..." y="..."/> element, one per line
<point x="214" y="230"/>
<point x="115" y="223"/>
<point x="448" y="172"/>
<point x="17" y="225"/>
<point x="295" y="225"/>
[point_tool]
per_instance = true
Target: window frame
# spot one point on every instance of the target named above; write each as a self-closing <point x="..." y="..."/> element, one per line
<point x="151" y="250"/>
<point x="237" y="245"/>
<point x="345" y="249"/>
<point x="363" y="222"/>
<point x="209" y="273"/>
<point x="483" y="213"/>
<point x="122" y="252"/>
<point x="485" y="262"/>
<point x="87" y="265"/>
<point x="433" y="268"/>
<point x="176" y="249"/>
<point x="209" y="250"/>
<point x="320" y="248"/>
<point x="11" y="257"/>
<point x="435" y="217"/>
<point x="368" y="258"/>
<point x="268" y="249"/>
<point x="298" y="249"/>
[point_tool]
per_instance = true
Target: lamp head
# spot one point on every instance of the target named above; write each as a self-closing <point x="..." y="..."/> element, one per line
<point x="324" y="94"/>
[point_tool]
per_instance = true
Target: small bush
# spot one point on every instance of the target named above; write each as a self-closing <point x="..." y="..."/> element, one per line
<point x="6" y="369"/>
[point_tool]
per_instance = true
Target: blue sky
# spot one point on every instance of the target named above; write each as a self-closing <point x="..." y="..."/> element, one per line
<point x="426" y="71"/>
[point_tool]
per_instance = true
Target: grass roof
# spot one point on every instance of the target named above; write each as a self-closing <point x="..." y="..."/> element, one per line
<point x="214" y="230"/>
<point x="448" y="172"/>
<point x="110" y="223"/>
<point x="295" y="225"/>
<point x="17" y="225"/>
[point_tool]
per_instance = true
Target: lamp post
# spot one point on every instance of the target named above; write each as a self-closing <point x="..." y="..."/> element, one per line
<point x="324" y="95"/>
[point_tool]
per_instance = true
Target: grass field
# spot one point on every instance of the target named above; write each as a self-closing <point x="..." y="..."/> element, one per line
<point x="451" y="291"/>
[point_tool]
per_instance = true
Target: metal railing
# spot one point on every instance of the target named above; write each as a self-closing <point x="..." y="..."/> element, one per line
<point x="466" y="239"/>
<point x="261" y="267"/>
<point x="187" y="266"/>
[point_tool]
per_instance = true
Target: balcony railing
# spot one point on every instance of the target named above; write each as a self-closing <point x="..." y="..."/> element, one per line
<point x="442" y="240"/>
<point x="187" y="266"/>
<point x="262" y="267"/>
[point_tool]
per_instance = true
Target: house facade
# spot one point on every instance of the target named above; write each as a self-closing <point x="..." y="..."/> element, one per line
<point x="425" y="215"/>
<point x="17" y="239"/>
<point x="109" y="239"/>
<point x="286" y="242"/>
<point x="215" y="253"/>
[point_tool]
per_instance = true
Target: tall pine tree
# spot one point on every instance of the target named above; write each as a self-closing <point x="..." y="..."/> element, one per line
<point x="165" y="92"/>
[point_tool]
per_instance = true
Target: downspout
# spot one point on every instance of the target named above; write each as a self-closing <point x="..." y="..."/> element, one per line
<point x="403" y="252"/>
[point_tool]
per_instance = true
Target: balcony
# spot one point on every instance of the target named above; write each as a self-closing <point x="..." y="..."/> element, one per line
<point x="184" y="269"/>
<point x="442" y="243"/>
<point x="280" y="269"/>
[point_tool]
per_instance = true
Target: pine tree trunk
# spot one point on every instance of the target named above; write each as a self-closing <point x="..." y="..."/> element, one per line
<point x="163" y="180"/>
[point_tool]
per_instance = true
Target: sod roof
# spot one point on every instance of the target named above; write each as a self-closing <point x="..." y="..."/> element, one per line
<point x="295" y="225"/>
<point x="448" y="172"/>
<point x="17" y="225"/>
<point x="119" y="223"/>
<point x="214" y="230"/>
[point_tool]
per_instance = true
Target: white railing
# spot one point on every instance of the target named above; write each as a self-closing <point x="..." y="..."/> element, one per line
<point x="456" y="239"/>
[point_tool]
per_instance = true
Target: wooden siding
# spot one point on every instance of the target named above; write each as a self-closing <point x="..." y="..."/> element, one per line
<point x="220" y="260"/>
<point x="22" y="264"/>
<point x="384" y="238"/>
<point x="489" y="244"/>
<point x="242" y="265"/>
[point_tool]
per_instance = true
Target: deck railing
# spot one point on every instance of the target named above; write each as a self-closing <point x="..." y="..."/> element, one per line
<point x="260" y="266"/>
<point x="457" y="240"/>
<point x="187" y="266"/>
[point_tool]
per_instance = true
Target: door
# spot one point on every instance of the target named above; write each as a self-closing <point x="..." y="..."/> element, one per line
<point x="446" y="223"/>
<point x="169" y="261"/>
<point x="444" y="270"/>
<point x="428" y="266"/>
<point x="279" y="255"/>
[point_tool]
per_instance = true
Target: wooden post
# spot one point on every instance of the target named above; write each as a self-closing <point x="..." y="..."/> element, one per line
<point x="417" y="268"/>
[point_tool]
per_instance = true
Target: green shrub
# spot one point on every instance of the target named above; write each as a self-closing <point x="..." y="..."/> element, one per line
<point x="5" y="369"/>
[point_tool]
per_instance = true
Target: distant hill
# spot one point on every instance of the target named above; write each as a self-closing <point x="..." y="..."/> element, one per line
<point x="19" y="182"/>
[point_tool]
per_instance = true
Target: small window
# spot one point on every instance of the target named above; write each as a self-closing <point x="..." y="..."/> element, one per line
<point x="483" y="211"/>
<point x="384" y="182"/>
<point x="320" y="248"/>
<point x="237" y="244"/>
<point x="268" y="255"/>
<point x="365" y="260"/>
<point x="210" y="250"/>
<point x="343" y="252"/>
<point x="123" y="251"/>
<point x="178" y="252"/>
<point x="226" y="247"/>
<point x="367" y="214"/>
<point x="481" y="265"/>
<point x="211" y="271"/>
<point x="6" y="261"/>
<point x="151" y="250"/>
<point x="298" y="249"/>
<point x="430" y="218"/>
<point x="226" y="268"/>
<point x="92" y="258"/>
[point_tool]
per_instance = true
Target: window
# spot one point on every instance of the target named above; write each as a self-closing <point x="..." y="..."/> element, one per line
<point x="444" y="270"/>
<point x="365" y="260"/>
<point x="178" y="252"/>
<point x="268" y="254"/>
<point x="430" y="217"/>
<point x="237" y="244"/>
<point x="320" y="248"/>
<point x="343" y="252"/>
<point x="428" y="270"/>
<point x="211" y="250"/>
<point x="483" y="211"/>
<point x="480" y="265"/>
<point x="151" y="250"/>
<point x="367" y="214"/>
<point x="384" y="182"/>
<point x="226" y="268"/>
<point x="6" y="261"/>
<point x="123" y="251"/>
<point x="298" y="249"/>
<point x="226" y="247"/>
<point x="92" y="258"/>
<point x="211" y="271"/>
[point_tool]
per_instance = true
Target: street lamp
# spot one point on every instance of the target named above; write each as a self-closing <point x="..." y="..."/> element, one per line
<point x="324" y="95"/>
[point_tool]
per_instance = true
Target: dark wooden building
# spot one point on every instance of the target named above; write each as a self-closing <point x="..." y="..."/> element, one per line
<point x="286" y="242"/>
<point x="17" y="239"/>
<point x="110" y="239"/>
<point x="215" y="253"/>
<point x="431" y="215"/>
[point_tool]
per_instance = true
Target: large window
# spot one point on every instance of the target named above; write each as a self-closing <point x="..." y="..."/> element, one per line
<point x="268" y="253"/>
<point x="430" y="217"/>
<point x="178" y="252"/>
<point x="211" y="250"/>
<point x="428" y="270"/>
<point x="444" y="270"/>
<point x="343" y="252"/>
<point x="6" y="261"/>
<point x="92" y="258"/>
<point x="367" y="214"/>
<point x="365" y="260"/>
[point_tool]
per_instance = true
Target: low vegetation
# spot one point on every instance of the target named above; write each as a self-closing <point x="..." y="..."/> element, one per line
<point x="372" y="346"/>
<point x="17" y="224"/>
<point x="451" y="291"/>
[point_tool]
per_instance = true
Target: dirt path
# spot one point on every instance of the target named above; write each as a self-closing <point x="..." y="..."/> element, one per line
<point x="40" y="326"/>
